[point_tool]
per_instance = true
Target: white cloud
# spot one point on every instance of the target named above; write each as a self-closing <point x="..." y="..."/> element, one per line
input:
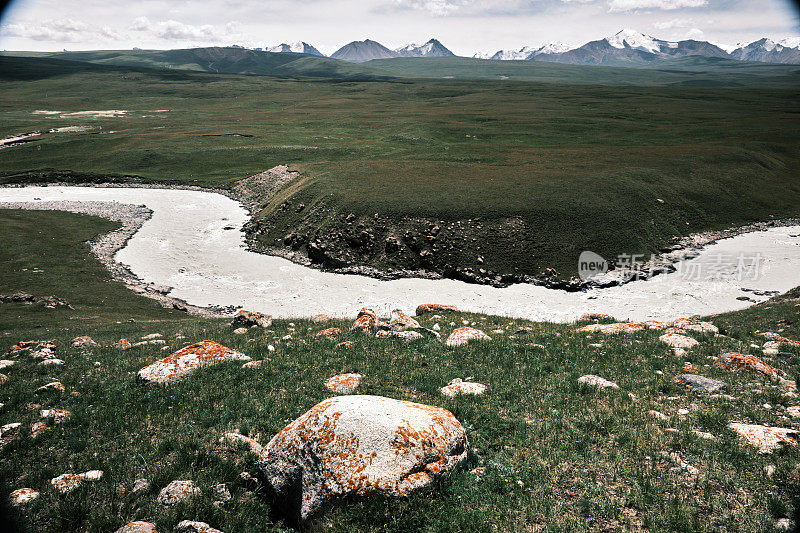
<point x="435" y="7"/>
<point x="61" y="30"/>
<point x="695" y="33"/>
<point x="674" y="23"/>
<point x="631" y="5"/>
<point x="173" y="30"/>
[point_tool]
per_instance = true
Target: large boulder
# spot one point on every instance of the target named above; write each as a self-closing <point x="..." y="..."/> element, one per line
<point x="400" y="320"/>
<point x="765" y="438"/>
<point x="187" y="360"/>
<point x="355" y="445"/>
<point x="366" y="322"/>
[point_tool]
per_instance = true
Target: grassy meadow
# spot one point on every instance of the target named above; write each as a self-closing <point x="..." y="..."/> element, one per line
<point x="613" y="169"/>
<point x="548" y="454"/>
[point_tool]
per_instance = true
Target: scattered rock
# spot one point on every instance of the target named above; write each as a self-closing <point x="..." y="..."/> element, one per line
<point x="659" y="415"/>
<point x="58" y="415"/>
<point x="407" y="336"/>
<point x="177" y="492"/>
<point x="737" y="361"/>
<point x="55" y="385"/>
<point x="232" y="437"/>
<point x="595" y="317"/>
<point x="346" y="345"/>
<point x="185" y="361"/>
<point x="22" y="496"/>
<point x="777" y="338"/>
<point x="462" y="336"/>
<point x="793" y="411"/>
<point x="222" y="494"/>
<point x="187" y="526"/>
<point x="52" y="362"/>
<point x="700" y="382"/>
<point x="784" y="525"/>
<point x="137" y="527"/>
<point x="44" y="350"/>
<point x="354" y="445"/>
<point x="766" y="439"/>
<point x="676" y="458"/>
<point x="240" y="331"/>
<point x="3" y="378"/>
<point x="68" y="482"/>
<point x="622" y="327"/>
<point x="400" y="320"/>
<point x="140" y="485"/>
<point x="434" y="308"/>
<point x="366" y="322"/>
<point x="82" y="342"/>
<point x="678" y="342"/>
<point x="321" y="318"/>
<point x="597" y="381"/>
<point x="457" y="386"/>
<point x="37" y="428"/>
<point x="330" y="333"/>
<point x="344" y="383"/>
<point x="152" y="336"/>
<point x="254" y="364"/>
<point x="246" y="319"/>
<point x="693" y="323"/>
<point x="5" y="363"/>
<point x="771" y="348"/>
<point x="703" y="434"/>
<point x="9" y="429"/>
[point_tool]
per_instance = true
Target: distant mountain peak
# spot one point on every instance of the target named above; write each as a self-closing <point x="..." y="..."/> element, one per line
<point x="296" y="48"/>
<point x="432" y="48"/>
<point x="634" y="39"/>
<point x="360" y="51"/>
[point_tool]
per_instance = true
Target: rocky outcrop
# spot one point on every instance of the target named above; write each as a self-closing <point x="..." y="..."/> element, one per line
<point x="185" y="361"/>
<point x="464" y="335"/>
<point x="622" y="327"/>
<point x="355" y="445"/>
<point x="765" y="438"/>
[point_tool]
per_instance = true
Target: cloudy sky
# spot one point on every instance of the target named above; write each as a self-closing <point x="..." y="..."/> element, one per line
<point x="465" y="26"/>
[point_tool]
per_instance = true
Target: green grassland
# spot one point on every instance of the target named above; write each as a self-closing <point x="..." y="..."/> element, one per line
<point x="548" y="454"/>
<point x="570" y="167"/>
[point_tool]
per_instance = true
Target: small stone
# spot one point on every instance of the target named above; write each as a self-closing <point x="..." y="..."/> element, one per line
<point x="330" y="333"/>
<point x="22" y="496"/>
<point x="784" y="525"/>
<point x="683" y="412"/>
<point x="140" y="485"/>
<point x="597" y="381"/>
<point x="793" y="411"/>
<point x="407" y="336"/>
<point x="659" y="415"/>
<point x="436" y="327"/>
<point x="5" y="363"/>
<point x="152" y="336"/>
<point x="769" y="470"/>
<point x="55" y="385"/>
<point x="270" y="348"/>
<point x="177" y="492"/>
<point x="703" y="434"/>
<point x="253" y="364"/>
<point x="222" y="494"/>
<point x="68" y="482"/>
<point x="240" y="331"/>
<point x="124" y="344"/>
<point x="52" y="362"/>
<point x="345" y="345"/>
<point x="233" y="437"/>
<point x="462" y="336"/>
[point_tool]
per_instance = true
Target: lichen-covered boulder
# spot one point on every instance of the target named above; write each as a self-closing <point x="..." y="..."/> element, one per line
<point x="434" y="308"/>
<point x="462" y="336"/>
<point x="778" y="338"/>
<point x="137" y="527"/>
<point x="344" y="383"/>
<point x="177" y="492"/>
<point x="246" y="319"/>
<point x="765" y="438"/>
<point x="68" y="482"/>
<point x="355" y="445"/>
<point x="678" y="342"/>
<point x="738" y="361"/>
<point x="83" y="342"/>
<point x="693" y="323"/>
<point x="186" y="360"/>
<point x="22" y="496"/>
<point x="400" y="320"/>
<point x="188" y="526"/>
<point x="330" y="333"/>
<point x="366" y="322"/>
<point x="457" y="386"/>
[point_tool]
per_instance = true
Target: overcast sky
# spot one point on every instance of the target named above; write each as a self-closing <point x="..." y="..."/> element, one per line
<point x="465" y="26"/>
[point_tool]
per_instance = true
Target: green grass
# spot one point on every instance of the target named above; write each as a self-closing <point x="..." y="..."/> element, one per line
<point x="557" y="456"/>
<point x="572" y="167"/>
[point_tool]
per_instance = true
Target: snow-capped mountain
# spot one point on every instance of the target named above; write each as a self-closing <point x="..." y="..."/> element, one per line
<point x="768" y="51"/>
<point x="525" y="53"/>
<point x="296" y="48"/>
<point x="432" y="48"/>
<point x="638" y="41"/>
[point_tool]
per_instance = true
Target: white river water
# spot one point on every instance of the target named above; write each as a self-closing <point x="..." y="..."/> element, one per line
<point x="184" y="246"/>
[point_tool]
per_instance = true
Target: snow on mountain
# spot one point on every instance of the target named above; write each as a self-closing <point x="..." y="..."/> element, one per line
<point x="514" y="55"/>
<point x="634" y="39"/>
<point x="296" y="48"/>
<point x="556" y="47"/>
<point x="790" y="42"/>
<point x="432" y="48"/>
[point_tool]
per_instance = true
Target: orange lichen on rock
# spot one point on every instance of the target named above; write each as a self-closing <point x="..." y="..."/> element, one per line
<point x="622" y="327"/>
<point x="346" y="345"/>
<point x="765" y="438"/>
<point x="678" y="342"/>
<point x="22" y="496"/>
<point x="330" y="333"/>
<point x="55" y="385"/>
<point x="354" y="445"/>
<point x="434" y="308"/>
<point x="366" y="321"/>
<point x="462" y="336"/>
<point x="344" y="383"/>
<point x="457" y="386"/>
<point x="693" y="323"/>
<point x="123" y="344"/>
<point x="320" y="318"/>
<point x="186" y="360"/>
<point x="83" y="342"/>
<point x="177" y="492"/>
<point x="777" y="338"/>
<point x="400" y="320"/>
<point x="737" y="361"/>
<point x="67" y="482"/>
